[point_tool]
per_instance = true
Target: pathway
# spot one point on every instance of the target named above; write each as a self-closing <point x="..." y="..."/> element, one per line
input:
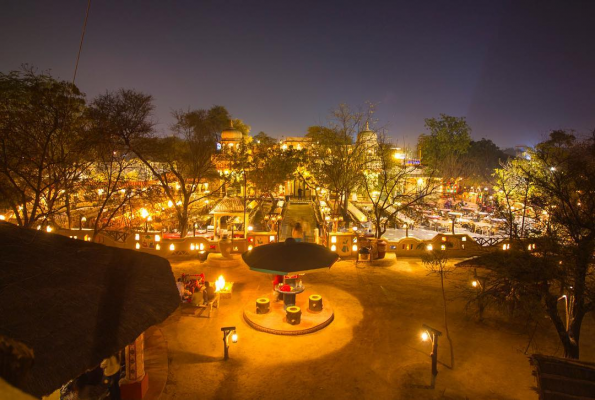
<point x="302" y="213"/>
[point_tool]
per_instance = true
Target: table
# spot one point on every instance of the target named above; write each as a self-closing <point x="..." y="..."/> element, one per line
<point x="226" y="291"/>
<point x="289" y="297"/>
<point x="483" y="226"/>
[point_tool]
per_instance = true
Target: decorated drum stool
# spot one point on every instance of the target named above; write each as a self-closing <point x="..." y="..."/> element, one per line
<point x="293" y="315"/>
<point x="315" y="302"/>
<point x="262" y="305"/>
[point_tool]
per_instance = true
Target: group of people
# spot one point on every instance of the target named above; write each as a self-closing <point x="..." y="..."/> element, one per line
<point x="103" y="382"/>
<point x="197" y="291"/>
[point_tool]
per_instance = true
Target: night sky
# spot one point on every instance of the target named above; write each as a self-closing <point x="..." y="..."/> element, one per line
<point x="515" y="69"/>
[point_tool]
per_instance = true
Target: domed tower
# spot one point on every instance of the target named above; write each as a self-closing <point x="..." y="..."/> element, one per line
<point x="367" y="137"/>
<point x="231" y="137"/>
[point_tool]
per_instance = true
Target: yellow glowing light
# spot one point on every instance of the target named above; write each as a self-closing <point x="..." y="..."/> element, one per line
<point x="144" y="213"/>
<point x="250" y="228"/>
<point x="474" y="283"/>
<point x="137" y="237"/>
<point x="137" y="245"/>
<point x="172" y="247"/>
<point x="250" y="247"/>
<point x="420" y="181"/>
<point x="2" y="218"/>
<point x="425" y="336"/>
<point x="443" y="247"/>
<point x="170" y="204"/>
<point x="192" y="246"/>
<point x="333" y="239"/>
<point x="354" y="247"/>
<point x="201" y="246"/>
<point x="429" y="247"/>
<point x="157" y="238"/>
<point x="333" y="248"/>
<point x="219" y="283"/>
<point x="234" y="337"/>
<point x="354" y="228"/>
<point x="157" y="246"/>
<point x="49" y="228"/>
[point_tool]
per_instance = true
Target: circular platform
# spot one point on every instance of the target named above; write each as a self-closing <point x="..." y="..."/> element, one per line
<point x="274" y="321"/>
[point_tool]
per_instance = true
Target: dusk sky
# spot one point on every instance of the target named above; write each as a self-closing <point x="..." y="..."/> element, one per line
<point x="515" y="69"/>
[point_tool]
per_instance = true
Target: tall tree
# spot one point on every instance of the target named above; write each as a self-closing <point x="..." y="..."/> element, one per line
<point x="559" y="265"/>
<point x="445" y="145"/>
<point x="42" y="121"/>
<point x="271" y="165"/>
<point x="392" y="186"/>
<point x="111" y="171"/>
<point x="336" y="157"/>
<point x="480" y="161"/>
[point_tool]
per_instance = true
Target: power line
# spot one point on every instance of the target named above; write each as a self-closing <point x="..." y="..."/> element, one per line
<point x="78" y="56"/>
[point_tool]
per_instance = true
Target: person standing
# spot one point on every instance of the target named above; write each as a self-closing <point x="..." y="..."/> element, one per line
<point x="111" y="375"/>
<point x="298" y="233"/>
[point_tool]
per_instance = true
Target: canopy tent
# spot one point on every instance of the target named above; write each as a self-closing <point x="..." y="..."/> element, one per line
<point x="232" y="207"/>
<point x="289" y="257"/>
<point x="74" y="303"/>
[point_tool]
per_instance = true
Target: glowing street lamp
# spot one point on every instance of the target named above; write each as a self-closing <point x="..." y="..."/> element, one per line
<point x="432" y="334"/>
<point x="479" y="283"/>
<point x="228" y="331"/>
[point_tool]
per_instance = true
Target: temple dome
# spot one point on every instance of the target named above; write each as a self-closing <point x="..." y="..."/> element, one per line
<point x="231" y="134"/>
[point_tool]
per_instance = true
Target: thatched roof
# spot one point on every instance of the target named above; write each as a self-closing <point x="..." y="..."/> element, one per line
<point x="74" y="302"/>
<point x="563" y="379"/>
<point x="229" y="205"/>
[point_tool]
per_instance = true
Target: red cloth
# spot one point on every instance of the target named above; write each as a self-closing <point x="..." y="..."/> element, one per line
<point x="285" y="288"/>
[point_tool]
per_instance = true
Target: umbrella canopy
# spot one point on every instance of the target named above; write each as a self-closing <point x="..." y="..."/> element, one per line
<point x="289" y="257"/>
<point x="74" y="303"/>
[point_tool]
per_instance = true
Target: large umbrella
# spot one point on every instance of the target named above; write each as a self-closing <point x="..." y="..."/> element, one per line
<point x="289" y="257"/>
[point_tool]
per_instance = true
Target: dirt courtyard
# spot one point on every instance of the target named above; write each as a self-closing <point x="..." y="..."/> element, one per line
<point x="372" y="349"/>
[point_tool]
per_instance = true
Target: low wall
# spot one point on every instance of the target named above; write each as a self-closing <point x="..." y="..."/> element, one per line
<point x="154" y="243"/>
<point x="345" y="245"/>
<point x="458" y="246"/>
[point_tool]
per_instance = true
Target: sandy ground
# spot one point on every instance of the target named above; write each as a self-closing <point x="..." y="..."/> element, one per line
<point x="372" y="350"/>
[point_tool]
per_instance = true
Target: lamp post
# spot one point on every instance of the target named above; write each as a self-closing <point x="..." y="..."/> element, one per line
<point x="406" y="226"/>
<point x="227" y="331"/>
<point x="278" y="227"/>
<point x="432" y="334"/>
<point x="83" y="219"/>
<point x="480" y="284"/>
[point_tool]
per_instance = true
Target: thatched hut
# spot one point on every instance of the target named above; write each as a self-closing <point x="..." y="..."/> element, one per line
<point x="563" y="378"/>
<point x="74" y="303"/>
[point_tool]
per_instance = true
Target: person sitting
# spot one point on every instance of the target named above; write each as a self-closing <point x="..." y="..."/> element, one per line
<point x="196" y="298"/>
<point x="297" y="233"/>
<point x="181" y="288"/>
<point x="208" y="293"/>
